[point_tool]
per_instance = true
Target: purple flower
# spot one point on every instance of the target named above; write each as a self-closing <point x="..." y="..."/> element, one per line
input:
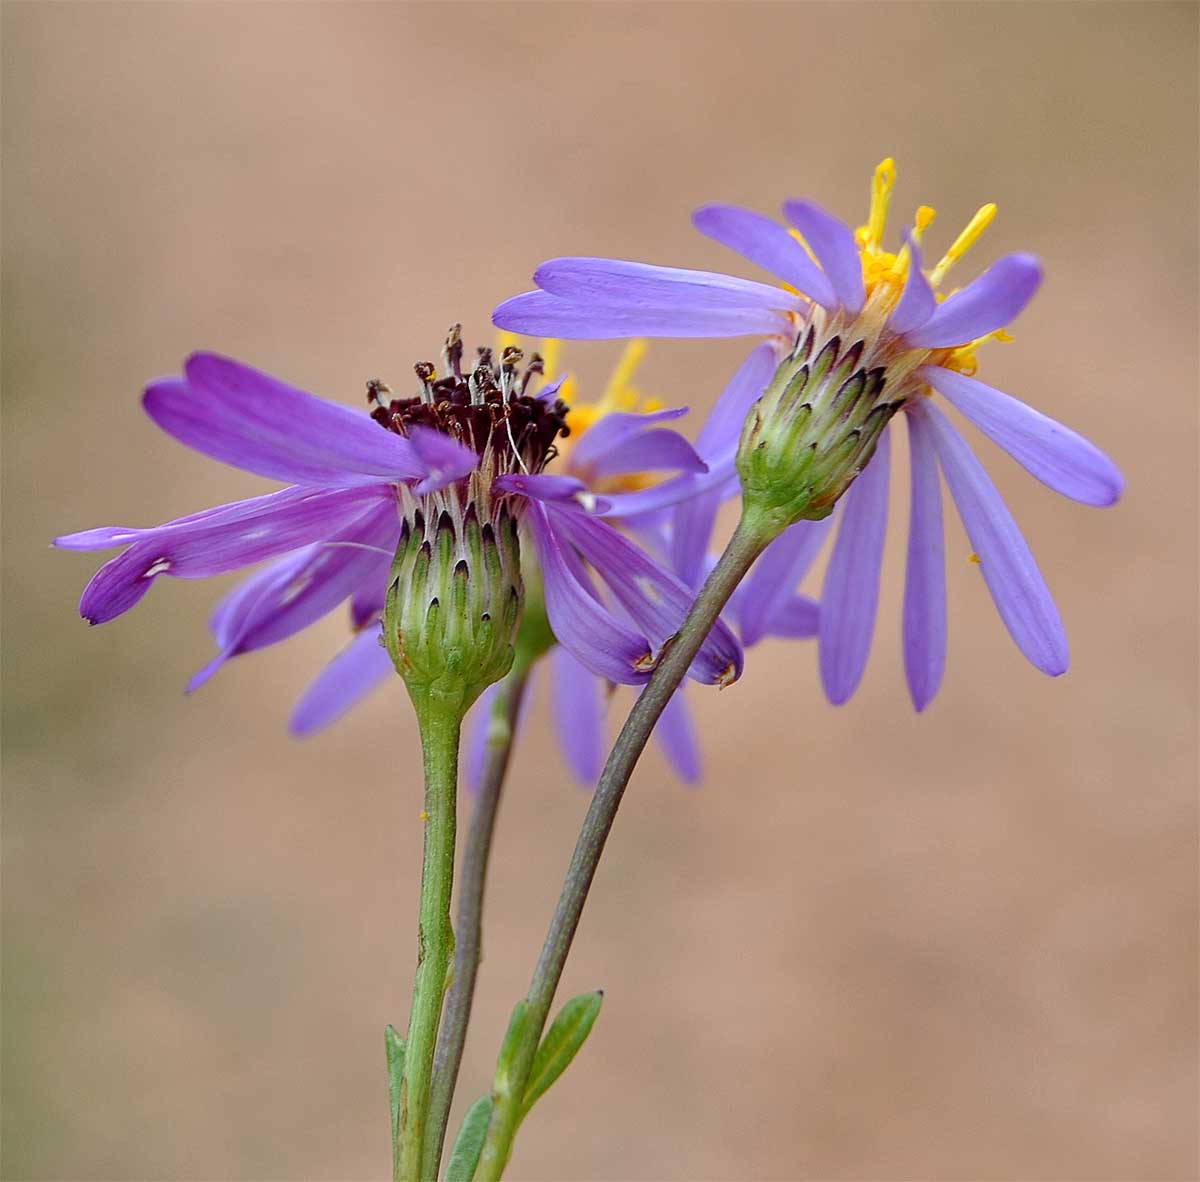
<point x="474" y="443"/>
<point x="863" y="334"/>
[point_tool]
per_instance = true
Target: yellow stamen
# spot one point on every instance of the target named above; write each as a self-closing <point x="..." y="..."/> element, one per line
<point x="970" y="235"/>
<point x="551" y="352"/>
<point x="882" y="184"/>
<point x="505" y="340"/>
<point x="923" y="220"/>
<point x="619" y="391"/>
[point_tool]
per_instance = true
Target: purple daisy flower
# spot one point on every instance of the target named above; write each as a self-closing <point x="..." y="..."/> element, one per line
<point x="467" y="452"/>
<point x="616" y="452"/>
<point x="863" y="334"/>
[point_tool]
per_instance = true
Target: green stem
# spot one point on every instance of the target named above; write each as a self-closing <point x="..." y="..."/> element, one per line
<point x="752" y="535"/>
<point x="440" y="725"/>
<point x="502" y="725"/>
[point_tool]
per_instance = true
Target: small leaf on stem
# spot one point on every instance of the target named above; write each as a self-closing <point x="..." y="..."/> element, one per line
<point x="566" y="1035"/>
<point x="464" y="1157"/>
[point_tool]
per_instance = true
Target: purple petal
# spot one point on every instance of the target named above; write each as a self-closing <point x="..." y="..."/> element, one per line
<point x="676" y="735"/>
<point x="248" y="419"/>
<point x="549" y="488"/>
<point x="617" y="283"/>
<point x="359" y="668"/>
<point x="796" y="618"/>
<point x="1012" y="575"/>
<point x="775" y="576"/>
<point x="925" y="577"/>
<point x="580" y="622"/>
<point x="479" y="726"/>
<point x="719" y="437"/>
<point x="551" y="389"/>
<point x="442" y="460"/>
<point x="294" y="593"/>
<point x="648" y="502"/>
<point x="655" y="599"/>
<point x="850" y="594"/>
<point x="650" y="451"/>
<point x="917" y="301"/>
<point x="225" y="539"/>
<point x="615" y="429"/>
<point x="538" y="313"/>
<point x="691" y="532"/>
<point x="1056" y="455"/>
<point x="579" y="697"/>
<point x="832" y="241"/>
<point x="765" y="242"/>
<point x="992" y="301"/>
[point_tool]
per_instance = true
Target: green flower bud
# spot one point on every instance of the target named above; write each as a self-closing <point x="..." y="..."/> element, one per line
<point x="814" y="429"/>
<point x="454" y="599"/>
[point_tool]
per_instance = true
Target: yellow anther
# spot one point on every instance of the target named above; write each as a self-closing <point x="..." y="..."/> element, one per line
<point x="923" y="220"/>
<point x="551" y="352"/>
<point x="970" y="235"/>
<point x="882" y="184"/>
<point x="620" y="385"/>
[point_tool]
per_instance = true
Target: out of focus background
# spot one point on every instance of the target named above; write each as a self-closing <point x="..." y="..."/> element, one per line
<point x="877" y="945"/>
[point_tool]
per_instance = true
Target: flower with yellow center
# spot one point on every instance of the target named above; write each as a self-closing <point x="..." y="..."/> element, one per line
<point x="857" y="332"/>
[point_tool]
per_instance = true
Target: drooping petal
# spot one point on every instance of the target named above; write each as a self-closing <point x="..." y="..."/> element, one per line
<point x="298" y="591"/>
<point x="990" y="302"/>
<point x="691" y="532"/>
<point x="1017" y="587"/>
<point x="925" y="576"/>
<point x="362" y="666"/>
<point x="648" y="451"/>
<point x="675" y="733"/>
<point x="718" y="439"/>
<point x="483" y="730"/>
<point x="550" y="390"/>
<point x="617" y="283"/>
<point x="1056" y="455"/>
<point x="832" y="241"/>
<point x="764" y="241"/>
<point x="613" y="431"/>
<point x="917" y="301"/>
<point x="538" y="313"/>
<point x="225" y="539"/>
<point x="797" y="618"/>
<point x="579" y="716"/>
<point x="775" y="576"/>
<point x="581" y="623"/>
<point x="369" y="598"/>
<point x="850" y="595"/>
<point x="441" y="460"/>
<point x="654" y="598"/>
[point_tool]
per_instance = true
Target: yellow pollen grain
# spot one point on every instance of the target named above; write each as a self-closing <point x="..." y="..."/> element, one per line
<point x="424" y="816"/>
<point x="970" y="235"/>
<point x="882" y="184"/>
<point x="976" y="560"/>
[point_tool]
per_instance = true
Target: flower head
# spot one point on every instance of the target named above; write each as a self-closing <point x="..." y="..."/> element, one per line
<point x="858" y="333"/>
<point x="443" y="485"/>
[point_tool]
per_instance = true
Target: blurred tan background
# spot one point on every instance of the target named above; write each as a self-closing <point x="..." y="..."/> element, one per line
<point x="872" y="945"/>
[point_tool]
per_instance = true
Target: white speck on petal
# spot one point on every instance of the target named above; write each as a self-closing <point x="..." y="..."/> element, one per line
<point x="160" y="566"/>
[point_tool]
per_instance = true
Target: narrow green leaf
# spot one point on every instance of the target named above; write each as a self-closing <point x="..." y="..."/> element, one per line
<point x="464" y="1157"/>
<point x="394" y="1045"/>
<point x="566" y="1035"/>
<point x="513" y="1038"/>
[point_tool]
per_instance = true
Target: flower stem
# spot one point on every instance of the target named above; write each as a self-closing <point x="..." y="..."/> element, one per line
<point x="753" y="533"/>
<point x="440" y="723"/>
<point x="502" y="727"/>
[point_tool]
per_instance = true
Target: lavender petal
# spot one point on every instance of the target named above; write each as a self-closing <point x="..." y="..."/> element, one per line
<point x="1056" y="455"/>
<point x="765" y="242"/>
<point x="775" y="576"/>
<point x="362" y="666"/>
<point x="538" y="313"/>
<point x="917" y="301"/>
<point x="990" y="302"/>
<point x="675" y="733"/>
<point x="832" y="241"/>
<point x="1017" y="587"/>
<point x="850" y="595"/>
<point x="579" y="716"/>
<point x="925" y="577"/>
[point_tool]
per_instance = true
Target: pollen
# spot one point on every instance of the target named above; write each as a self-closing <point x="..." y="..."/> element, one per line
<point x="424" y="816"/>
<point x="976" y="560"/>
